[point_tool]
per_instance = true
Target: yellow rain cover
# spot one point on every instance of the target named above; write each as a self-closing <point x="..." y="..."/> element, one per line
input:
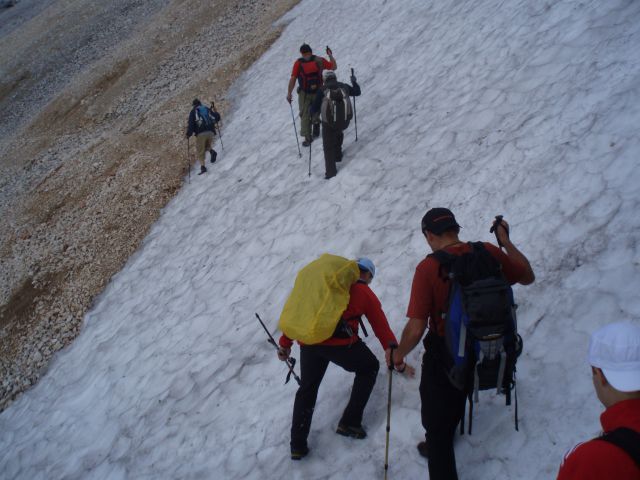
<point x="319" y="297"/>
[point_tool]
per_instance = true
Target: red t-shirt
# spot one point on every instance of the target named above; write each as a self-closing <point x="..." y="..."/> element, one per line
<point x="598" y="459"/>
<point x="362" y="301"/>
<point x="429" y="291"/>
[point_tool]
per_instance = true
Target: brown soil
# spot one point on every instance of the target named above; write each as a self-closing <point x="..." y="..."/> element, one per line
<point x="95" y="168"/>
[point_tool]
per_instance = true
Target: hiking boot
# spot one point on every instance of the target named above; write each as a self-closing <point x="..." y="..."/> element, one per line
<point x="327" y="177"/>
<point x="307" y="141"/>
<point x="214" y="155"/>
<point x="351" y="431"/>
<point x="203" y="169"/>
<point x="316" y="130"/>
<point x="422" y="449"/>
<point x="299" y="453"/>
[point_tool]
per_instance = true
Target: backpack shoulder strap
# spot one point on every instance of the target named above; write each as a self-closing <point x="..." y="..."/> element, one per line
<point x="445" y="259"/>
<point x="625" y="439"/>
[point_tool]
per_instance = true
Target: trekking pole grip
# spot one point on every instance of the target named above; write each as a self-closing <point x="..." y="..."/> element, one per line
<point x="494" y="229"/>
<point x="392" y="347"/>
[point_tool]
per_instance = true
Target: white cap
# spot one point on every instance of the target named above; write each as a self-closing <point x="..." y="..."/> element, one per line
<point x="328" y="73"/>
<point x="615" y="349"/>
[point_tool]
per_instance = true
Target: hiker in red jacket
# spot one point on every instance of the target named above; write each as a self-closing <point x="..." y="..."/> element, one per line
<point x="442" y="403"/>
<point x="614" y="355"/>
<point x="347" y="350"/>
<point x="307" y="70"/>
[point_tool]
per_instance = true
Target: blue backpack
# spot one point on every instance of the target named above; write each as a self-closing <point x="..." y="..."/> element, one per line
<point x="204" y="119"/>
<point x="482" y="343"/>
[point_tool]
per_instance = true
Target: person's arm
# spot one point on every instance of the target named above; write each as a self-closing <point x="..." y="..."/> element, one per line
<point x="372" y="309"/>
<point x="334" y="64"/>
<point x="515" y="255"/>
<point x="411" y="335"/>
<point x="354" y="89"/>
<point x="292" y="83"/>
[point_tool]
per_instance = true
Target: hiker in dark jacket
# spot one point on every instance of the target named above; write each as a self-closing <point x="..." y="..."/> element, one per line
<point x="332" y="127"/>
<point x="202" y="124"/>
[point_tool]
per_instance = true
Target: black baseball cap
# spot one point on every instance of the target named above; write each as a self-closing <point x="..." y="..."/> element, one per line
<point x="438" y="221"/>
<point x="305" y="48"/>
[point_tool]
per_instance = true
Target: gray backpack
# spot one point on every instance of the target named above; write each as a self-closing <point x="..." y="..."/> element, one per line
<point x="336" y="110"/>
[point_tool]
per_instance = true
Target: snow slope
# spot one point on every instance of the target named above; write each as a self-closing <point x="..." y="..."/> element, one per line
<point x="528" y="109"/>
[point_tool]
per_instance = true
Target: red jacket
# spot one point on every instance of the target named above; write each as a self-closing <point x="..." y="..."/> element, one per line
<point x="362" y="301"/>
<point x="597" y="459"/>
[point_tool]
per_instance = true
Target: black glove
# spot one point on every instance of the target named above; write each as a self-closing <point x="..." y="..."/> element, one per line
<point x="353" y="79"/>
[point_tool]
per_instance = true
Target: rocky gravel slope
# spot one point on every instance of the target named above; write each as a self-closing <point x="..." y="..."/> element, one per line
<point x="95" y="97"/>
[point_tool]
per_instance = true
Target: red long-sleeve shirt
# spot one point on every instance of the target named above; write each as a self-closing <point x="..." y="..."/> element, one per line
<point x="597" y="459"/>
<point x="362" y="301"/>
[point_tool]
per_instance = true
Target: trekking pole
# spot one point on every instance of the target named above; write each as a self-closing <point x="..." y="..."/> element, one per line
<point x="392" y="346"/>
<point x="310" y="158"/>
<point x="295" y="130"/>
<point x="291" y="362"/>
<point x="189" y="158"/>
<point x="219" y="130"/>
<point x="355" y="113"/>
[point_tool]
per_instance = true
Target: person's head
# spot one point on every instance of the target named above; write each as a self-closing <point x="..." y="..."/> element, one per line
<point x="440" y="227"/>
<point x="305" y="51"/>
<point x="329" y="75"/>
<point x="614" y="356"/>
<point x="196" y="102"/>
<point x="367" y="269"/>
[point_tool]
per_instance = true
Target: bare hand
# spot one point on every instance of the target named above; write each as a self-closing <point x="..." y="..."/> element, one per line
<point x="283" y="353"/>
<point x="289" y="97"/>
<point x="502" y="231"/>
<point x="409" y="371"/>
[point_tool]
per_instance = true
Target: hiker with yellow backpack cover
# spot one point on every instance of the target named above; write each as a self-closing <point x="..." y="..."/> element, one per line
<point x="323" y="313"/>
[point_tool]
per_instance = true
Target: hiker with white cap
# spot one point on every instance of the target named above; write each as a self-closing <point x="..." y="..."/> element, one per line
<point x="614" y="356"/>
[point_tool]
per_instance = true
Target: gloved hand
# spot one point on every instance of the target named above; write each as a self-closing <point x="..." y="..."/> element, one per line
<point x="353" y="79"/>
<point x="329" y="52"/>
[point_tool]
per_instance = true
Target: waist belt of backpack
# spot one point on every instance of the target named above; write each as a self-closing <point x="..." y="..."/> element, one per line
<point x="625" y="439"/>
<point x="343" y="330"/>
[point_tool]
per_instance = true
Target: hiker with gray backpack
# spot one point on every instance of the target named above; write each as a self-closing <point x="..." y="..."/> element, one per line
<point x="336" y="112"/>
<point x="462" y="294"/>
<point x="202" y="124"/>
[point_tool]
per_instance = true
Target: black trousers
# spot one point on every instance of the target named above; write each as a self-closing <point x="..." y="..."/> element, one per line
<point x="332" y="145"/>
<point x="314" y="360"/>
<point x="442" y="409"/>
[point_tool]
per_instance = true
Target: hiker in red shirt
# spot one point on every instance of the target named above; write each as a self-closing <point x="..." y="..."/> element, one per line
<point x="614" y="355"/>
<point x="307" y="70"/>
<point x="347" y="350"/>
<point x="443" y="403"/>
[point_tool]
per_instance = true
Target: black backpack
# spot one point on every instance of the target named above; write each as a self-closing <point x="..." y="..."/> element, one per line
<point x="482" y="343"/>
<point x="626" y="439"/>
<point x="336" y="110"/>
